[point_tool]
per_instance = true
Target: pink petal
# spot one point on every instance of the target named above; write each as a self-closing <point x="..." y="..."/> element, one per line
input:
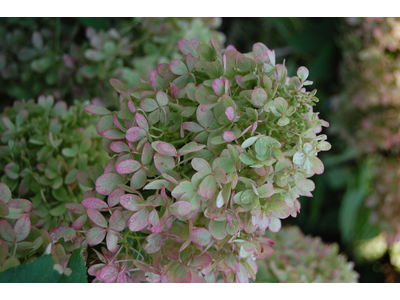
<point x="94" y="203"/>
<point x="95" y="235"/>
<point x="229" y="136"/>
<point x="135" y="134"/>
<point x="230" y="113"/>
<point x="138" y="221"/>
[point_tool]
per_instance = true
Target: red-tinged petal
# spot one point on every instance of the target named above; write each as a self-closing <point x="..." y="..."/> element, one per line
<point x="202" y="261"/>
<point x="4" y="210"/>
<point x="104" y="123"/>
<point x="23" y="204"/>
<point x="154" y="224"/>
<point x="178" y="67"/>
<point x="106" y="183"/>
<point x="5" y="193"/>
<point x="180" y="208"/>
<point x="139" y="179"/>
<point x="229" y="136"/>
<point x="187" y="47"/>
<point x="113" y="198"/>
<point x="217" y="229"/>
<point x="156" y="81"/>
<point x="174" y="90"/>
<point x="265" y="251"/>
<point x="154" y="243"/>
<point x="317" y="165"/>
<point x="201" y="165"/>
<point x="109" y="274"/>
<point x="208" y="187"/>
<point x="142" y="122"/>
<point x="3" y="252"/>
<point x="182" y="274"/>
<point x="119" y="147"/>
<point x="148" y="104"/>
<point x="62" y="231"/>
<point x="218" y="87"/>
<point x="166" y="149"/>
<point x="275" y="224"/>
<point x="128" y="166"/>
<point x="22" y="228"/>
<point x="112" y="241"/>
<point x="131" y="106"/>
<point x="259" y="48"/>
<point x="196" y="278"/>
<point x="242" y="276"/>
<point x="230" y="113"/>
<point x="205" y="118"/>
<point x="259" y="97"/>
<point x="6" y="231"/>
<point x="122" y="278"/>
<point x="97" y="110"/>
<point x="117" y="221"/>
<point x="114" y="134"/>
<point x="95" y="235"/>
<point x="232" y="263"/>
<point x="75" y="208"/>
<point x="192" y="127"/>
<point x="95" y="203"/>
<point x="164" y="163"/>
<point x="97" y="218"/>
<point x="162" y="98"/>
<point x="138" y="221"/>
<point x="220" y="175"/>
<point x="201" y="236"/>
<point x="147" y="154"/>
<point x="190" y="62"/>
<point x="117" y="85"/>
<point x="78" y="224"/>
<point x="162" y="68"/>
<point x="135" y="134"/>
<point x="130" y="202"/>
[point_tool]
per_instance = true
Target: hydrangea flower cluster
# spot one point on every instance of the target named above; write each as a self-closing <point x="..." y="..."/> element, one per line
<point x="52" y="62"/>
<point x="23" y="239"/>
<point x="371" y="79"/>
<point x="370" y="123"/>
<point x="300" y="258"/>
<point x="212" y="150"/>
<point x="44" y="145"/>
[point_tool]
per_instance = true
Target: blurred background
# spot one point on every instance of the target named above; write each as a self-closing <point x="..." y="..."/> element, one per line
<point x="353" y="62"/>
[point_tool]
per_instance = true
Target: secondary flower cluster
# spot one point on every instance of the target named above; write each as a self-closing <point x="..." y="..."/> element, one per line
<point x="45" y="56"/>
<point x="43" y="146"/>
<point x="371" y="79"/>
<point x="300" y="258"/>
<point x="211" y="151"/>
<point x="22" y="238"/>
<point x="370" y="122"/>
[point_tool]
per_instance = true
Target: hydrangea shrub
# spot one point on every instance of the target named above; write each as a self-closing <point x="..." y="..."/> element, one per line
<point x="370" y="121"/>
<point x="300" y="258"/>
<point x="44" y="146"/>
<point x="210" y="152"/>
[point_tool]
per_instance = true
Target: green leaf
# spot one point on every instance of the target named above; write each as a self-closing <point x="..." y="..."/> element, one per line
<point x="68" y="152"/>
<point x="29" y="272"/>
<point x="250" y="141"/>
<point x="283" y="121"/>
<point x="77" y="265"/>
